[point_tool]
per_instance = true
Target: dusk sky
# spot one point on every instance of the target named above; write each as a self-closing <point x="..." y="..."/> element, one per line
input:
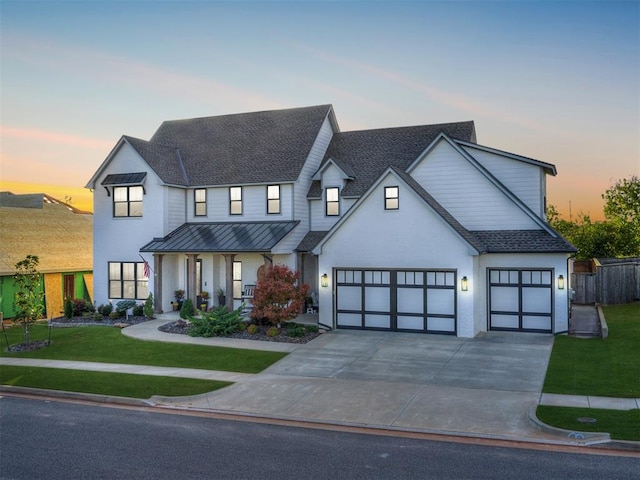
<point x="555" y="81"/>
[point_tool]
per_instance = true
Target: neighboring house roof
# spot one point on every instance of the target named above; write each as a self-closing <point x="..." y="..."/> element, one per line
<point x="522" y="241"/>
<point x="368" y="153"/>
<point x="222" y="237"/>
<point x="37" y="224"/>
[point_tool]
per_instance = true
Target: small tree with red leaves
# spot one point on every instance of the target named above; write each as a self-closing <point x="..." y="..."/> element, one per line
<point x="277" y="296"/>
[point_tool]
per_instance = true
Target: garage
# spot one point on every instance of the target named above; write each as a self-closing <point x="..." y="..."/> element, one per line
<point x="521" y="300"/>
<point x="397" y="300"/>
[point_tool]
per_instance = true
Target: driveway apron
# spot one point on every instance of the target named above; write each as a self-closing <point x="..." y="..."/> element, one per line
<point x="482" y="386"/>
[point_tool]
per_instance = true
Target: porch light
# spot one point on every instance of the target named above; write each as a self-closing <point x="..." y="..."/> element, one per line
<point x="324" y="280"/>
<point x="560" y="282"/>
<point x="464" y="284"/>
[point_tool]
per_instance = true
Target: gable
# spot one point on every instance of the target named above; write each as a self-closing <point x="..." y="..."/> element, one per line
<point x="466" y="192"/>
<point x="398" y="237"/>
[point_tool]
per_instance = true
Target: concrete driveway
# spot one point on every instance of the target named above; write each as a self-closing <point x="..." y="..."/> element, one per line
<point x="483" y="386"/>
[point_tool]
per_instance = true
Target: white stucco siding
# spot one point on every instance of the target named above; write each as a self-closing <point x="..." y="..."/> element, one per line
<point x="109" y="231"/>
<point x="523" y="179"/>
<point x="556" y="262"/>
<point x="412" y="237"/>
<point x="466" y="193"/>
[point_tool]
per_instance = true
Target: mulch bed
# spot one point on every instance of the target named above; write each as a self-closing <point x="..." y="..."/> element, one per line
<point x="90" y="321"/>
<point x="181" y="327"/>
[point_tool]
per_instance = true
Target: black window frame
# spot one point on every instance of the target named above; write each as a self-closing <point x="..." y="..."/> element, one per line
<point x="128" y="201"/>
<point x="275" y="199"/>
<point x="388" y="198"/>
<point x="199" y="203"/>
<point x="328" y="202"/>
<point x="137" y="281"/>
<point x="233" y="202"/>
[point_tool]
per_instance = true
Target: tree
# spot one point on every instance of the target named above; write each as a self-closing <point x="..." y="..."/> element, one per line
<point x="277" y="296"/>
<point x="622" y="201"/>
<point x="29" y="297"/>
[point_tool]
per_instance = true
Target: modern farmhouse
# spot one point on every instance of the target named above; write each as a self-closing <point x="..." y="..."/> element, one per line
<point x="417" y="229"/>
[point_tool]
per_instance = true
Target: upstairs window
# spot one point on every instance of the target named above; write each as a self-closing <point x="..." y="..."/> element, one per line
<point x="391" y="200"/>
<point x="235" y="200"/>
<point x="332" y="196"/>
<point x="200" y="202"/>
<point x="127" y="201"/>
<point x="273" y="199"/>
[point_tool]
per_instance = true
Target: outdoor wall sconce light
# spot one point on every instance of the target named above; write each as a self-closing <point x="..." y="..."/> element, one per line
<point x="464" y="284"/>
<point x="560" y="282"/>
<point x="324" y="280"/>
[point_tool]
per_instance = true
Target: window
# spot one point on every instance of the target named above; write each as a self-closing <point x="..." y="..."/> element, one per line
<point x="273" y="199"/>
<point x="391" y="198"/>
<point x="235" y="200"/>
<point x="237" y="280"/>
<point x="200" y="202"/>
<point x="333" y="201"/>
<point x="127" y="281"/>
<point x="127" y="201"/>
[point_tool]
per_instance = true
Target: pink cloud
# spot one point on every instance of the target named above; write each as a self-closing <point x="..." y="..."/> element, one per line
<point x="54" y="137"/>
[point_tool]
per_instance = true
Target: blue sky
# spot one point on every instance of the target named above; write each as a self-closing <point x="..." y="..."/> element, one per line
<point x="556" y="81"/>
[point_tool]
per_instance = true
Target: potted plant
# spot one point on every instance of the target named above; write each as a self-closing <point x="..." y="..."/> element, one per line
<point x="204" y="301"/>
<point x="179" y="295"/>
<point x="221" y="297"/>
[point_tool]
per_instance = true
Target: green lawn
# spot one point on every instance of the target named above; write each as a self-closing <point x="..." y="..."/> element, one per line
<point x="621" y="424"/>
<point x="108" y="344"/>
<point x="106" y="383"/>
<point x="597" y="367"/>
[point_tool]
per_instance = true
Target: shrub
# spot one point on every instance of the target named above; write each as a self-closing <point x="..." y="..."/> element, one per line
<point x="187" y="310"/>
<point x="215" y="323"/>
<point x="296" y="331"/>
<point x="277" y="297"/>
<point x="312" y="328"/>
<point x="105" y="309"/>
<point x="68" y="308"/>
<point x="114" y="314"/>
<point x="148" y="306"/>
<point x="252" y="329"/>
<point x="97" y="316"/>
<point x="273" y="332"/>
<point x="138" y="310"/>
<point x="81" y="306"/>
<point x="123" y="305"/>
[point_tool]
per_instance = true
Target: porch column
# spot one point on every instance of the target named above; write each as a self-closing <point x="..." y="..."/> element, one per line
<point x="157" y="282"/>
<point x="228" y="265"/>
<point x="192" y="293"/>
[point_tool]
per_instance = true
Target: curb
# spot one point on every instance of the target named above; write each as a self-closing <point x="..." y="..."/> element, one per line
<point x="93" y="397"/>
<point x="580" y="438"/>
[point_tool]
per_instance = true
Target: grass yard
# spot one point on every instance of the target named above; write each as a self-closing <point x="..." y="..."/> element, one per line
<point x="597" y="367"/>
<point x="621" y="424"/>
<point x="105" y="383"/>
<point x="108" y="344"/>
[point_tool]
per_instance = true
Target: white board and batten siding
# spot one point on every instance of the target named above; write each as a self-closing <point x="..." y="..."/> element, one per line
<point x="412" y="238"/>
<point x="523" y="179"/>
<point x="468" y="194"/>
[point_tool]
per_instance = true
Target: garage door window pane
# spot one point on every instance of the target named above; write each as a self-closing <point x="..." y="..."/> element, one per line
<point x="377" y="321"/>
<point x="377" y="299"/>
<point x="440" y="301"/>
<point x="349" y="319"/>
<point x="350" y="298"/>
<point x="536" y="300"/>
<point x="410" y="323"/>
<point x="504" y="321"/>
<point x="437" y="324"/>
<point x="531" y="322"/>
<point x="504" y="299"/>
<point x="410" y="300"/>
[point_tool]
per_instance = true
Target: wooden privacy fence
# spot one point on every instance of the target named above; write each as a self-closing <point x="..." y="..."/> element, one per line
<point x="615" y="281"/>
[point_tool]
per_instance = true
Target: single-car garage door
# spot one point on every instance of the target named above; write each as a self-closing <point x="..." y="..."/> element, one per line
<point x="521" y="300"/>
<point x="398" y="300"/>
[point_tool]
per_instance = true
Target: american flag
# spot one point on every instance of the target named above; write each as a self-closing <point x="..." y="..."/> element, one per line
<point x="146" y="269"/>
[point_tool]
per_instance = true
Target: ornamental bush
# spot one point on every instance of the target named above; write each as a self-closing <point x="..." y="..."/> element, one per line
<point x="187" y="310"/>
<point x="148" y="306"/>
<point x="68" y="308"/>
<point x="277" y="296"/>
<point x="217" y="322"/>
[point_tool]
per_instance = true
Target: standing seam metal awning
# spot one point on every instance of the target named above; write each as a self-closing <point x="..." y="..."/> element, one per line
<point x="222" y="237"/>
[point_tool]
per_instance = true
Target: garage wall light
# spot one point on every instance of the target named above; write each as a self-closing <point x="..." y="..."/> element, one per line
<point x="464" y="284"/>
<point x="324" y="280"/>
<point x="560" y="282"/>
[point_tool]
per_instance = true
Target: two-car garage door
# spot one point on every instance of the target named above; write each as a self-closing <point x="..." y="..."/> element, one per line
<point x="398" y="300"/>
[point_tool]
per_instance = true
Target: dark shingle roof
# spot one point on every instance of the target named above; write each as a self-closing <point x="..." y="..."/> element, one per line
<point x="222" y="237"/>
<point x="256" y="147"/>
<point x="522" y="241"/>
<point x="369" y="153"/>
<point x="310" y="240"/>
